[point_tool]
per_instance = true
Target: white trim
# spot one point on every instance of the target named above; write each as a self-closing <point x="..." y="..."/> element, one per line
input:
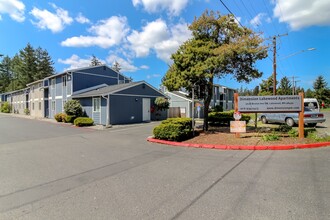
<point x="180" y="96"/>
<point x="59" y="97"/>
<point x="50" y="98"/>
<point x="37" y="99"/>
<point x="68" y="96"/>
<point x="92" y="74"/>
<point x="148" y="96"/>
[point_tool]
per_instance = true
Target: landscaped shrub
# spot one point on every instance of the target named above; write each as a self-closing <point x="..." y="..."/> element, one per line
<point x="218" y="118"/>
<point x="60" y="117"/>
<point x="83" y="121"/>
<point x="5" y="107"/>
<point x="69" y="118"/>
<point x="26" y="111"/>
<point x="73" y="107"/>
<point x="293" y="133"/>
<point x="174" y="129"/>
<point x="270" y="137"/>
<point x="284" y="128"/>
<point x="161" y="103"/>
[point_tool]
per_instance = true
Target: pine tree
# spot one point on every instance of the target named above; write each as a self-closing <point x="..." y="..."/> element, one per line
<point x="27" y="66"/>
<point x="322" y="92"/>
<point x="95" y="61"/>
<point x="5" y="73"/>
<point x="285" y="87"/>
<point x="116" y="67"/>
<point x="266" y="86"/>
<point x="44" y="64"/>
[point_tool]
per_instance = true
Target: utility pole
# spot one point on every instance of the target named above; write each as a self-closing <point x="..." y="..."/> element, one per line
<point x="274" y="61"/>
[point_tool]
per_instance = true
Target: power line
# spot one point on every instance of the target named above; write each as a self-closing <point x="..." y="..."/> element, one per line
<point x="231" y="13"/>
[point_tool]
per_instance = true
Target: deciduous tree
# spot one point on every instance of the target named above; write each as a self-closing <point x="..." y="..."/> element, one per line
<point x="219" y="46"/>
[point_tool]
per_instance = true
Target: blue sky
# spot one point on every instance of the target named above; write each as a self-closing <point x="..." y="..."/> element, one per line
<point x="142" y="34"/>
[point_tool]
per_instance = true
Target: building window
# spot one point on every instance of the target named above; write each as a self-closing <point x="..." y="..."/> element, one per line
<point x="39" y="105"/>
<point x="64" y="81"/>
<point x="53" y="105"/>
<point x="53" y="83"/>
<point x="96" y="104"/>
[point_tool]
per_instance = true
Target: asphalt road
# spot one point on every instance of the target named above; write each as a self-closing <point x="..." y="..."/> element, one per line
<point x="52" y="171"/>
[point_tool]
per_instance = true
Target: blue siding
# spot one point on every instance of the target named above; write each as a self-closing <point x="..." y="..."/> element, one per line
<point x="125" y="110"/>
<point x="86" y="103"/>
<point x="83" y="81"/>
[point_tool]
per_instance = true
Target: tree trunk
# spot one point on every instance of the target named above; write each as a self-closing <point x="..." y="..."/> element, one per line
<point x="207" y="101"/>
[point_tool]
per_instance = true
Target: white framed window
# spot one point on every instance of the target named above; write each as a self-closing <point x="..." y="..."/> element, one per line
<point x="96" y="104"/>
<point x="53" y="105"/>
<point x="53" y="83"/>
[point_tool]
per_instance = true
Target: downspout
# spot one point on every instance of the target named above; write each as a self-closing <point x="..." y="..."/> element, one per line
<point x="107" y="123"/>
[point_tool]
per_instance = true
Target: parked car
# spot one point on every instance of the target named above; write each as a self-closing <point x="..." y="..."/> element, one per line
<point x="312" y="104"/>
<point x="311" y="118"/>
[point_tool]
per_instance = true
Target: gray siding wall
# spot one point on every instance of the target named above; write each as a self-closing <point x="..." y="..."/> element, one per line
<point x="103" y="111"/>
<point x="176" y="101"/>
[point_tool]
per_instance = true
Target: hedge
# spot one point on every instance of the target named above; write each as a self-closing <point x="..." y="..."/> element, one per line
<point x="225" y="117"/>
<point x="6" y="107"/>
<point x="69" y="118"/>
<point x="60" y="117"/>
<point x="174" y="129"/>
<point x="83" y="121"/>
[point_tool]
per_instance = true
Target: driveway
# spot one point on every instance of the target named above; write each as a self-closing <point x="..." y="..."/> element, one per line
<point x="53" y="171"/>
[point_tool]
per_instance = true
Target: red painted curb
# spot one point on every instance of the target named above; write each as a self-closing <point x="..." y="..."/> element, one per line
<point x="240" y="147"/>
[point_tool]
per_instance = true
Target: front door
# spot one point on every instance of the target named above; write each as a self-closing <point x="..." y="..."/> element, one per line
<point x="145" y="109"/>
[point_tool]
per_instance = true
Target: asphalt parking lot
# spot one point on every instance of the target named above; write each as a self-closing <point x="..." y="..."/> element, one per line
<point x="54" y="171"/>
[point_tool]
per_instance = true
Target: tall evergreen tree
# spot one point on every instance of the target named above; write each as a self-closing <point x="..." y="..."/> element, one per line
<point x="219" y="46"/>
<point x="309" y="93"/>
<point x="266" y="86"/>
<point x="44" y="64"/>
<point x="285" y="87"/>
<point x="27" y="66"/>
<point x="95" y="61"/>
<point x="116" y="67"/>
<point x="322" y="92"/>
<point x="5" y="73"/>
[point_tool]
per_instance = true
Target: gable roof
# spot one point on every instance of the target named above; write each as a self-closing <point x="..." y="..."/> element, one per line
<point x="181" y="95"/>
<point x="111" y="90"/>
<point x="84" y="68"/>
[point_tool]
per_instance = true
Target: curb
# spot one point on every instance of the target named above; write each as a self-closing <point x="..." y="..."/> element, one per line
<point x="240" y="147"/>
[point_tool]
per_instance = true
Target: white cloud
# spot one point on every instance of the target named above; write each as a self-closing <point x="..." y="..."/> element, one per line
<point x="259" y="18"/>
<point x="144" y="67"/>
<point x="82" y="19"/>
<point x="76" y="62"/>
<point x="303" y="13"/>
<point x="157" y="36"/>
<point x="106" y="33"/>
<point x="52" y="21"/>
<point x="125" y="65"/>
<point x="15" y="9"/>
<point x="173" y="7"/>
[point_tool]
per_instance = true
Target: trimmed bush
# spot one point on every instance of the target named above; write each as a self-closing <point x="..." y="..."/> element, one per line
<point x="73" y="107"/>
<point x="69" y="118"/>
<point x="83" y="121"/>
<point x="27" y="111"/>
<point x="174" y="129"/>
<point x="225" y="117"/>
<point x="60" y="117"/>
<point x="5" y="107"/>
